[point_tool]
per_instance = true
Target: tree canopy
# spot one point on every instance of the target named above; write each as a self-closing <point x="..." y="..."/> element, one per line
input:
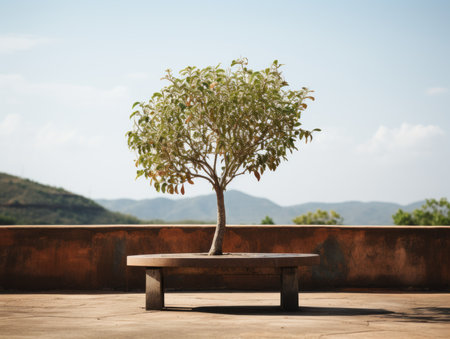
<point x="267" y="221"/>
<point x="319" y="217"/>
<point x="217" y="124"/>
<point x="433" y="212"/>
<point x="5" y="220"/>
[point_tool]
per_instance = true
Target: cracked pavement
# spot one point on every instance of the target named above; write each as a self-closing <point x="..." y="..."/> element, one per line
<point x="225" y="315"/>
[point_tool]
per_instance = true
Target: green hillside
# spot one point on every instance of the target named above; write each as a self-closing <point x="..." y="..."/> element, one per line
<point x="24" y="202"/>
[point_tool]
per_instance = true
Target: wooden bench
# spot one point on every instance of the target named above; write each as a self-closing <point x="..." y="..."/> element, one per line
<point x="284" y="264"/>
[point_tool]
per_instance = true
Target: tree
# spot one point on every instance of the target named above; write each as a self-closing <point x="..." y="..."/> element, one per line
<point x="433" y="212"/>
<point x="267" y="221"/>
<point x="217" y="124"/>
<point x="5" y="220"/>
<point x="319" y="217"/>
<point x="403" y="218"/>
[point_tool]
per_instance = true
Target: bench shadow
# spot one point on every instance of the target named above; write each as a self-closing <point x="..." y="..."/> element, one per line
<point x="276" y="310"/>
<point x="424" y="315"/>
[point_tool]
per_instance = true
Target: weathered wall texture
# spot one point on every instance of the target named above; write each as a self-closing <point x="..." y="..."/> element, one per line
<point x="94" y="257"/>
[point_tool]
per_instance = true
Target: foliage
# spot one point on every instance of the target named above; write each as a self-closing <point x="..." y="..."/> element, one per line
<point x="433" y="212"/>
<point x="267" y="221"/>
<point x="403" y="218"/>
<point x="320" y="217"/>
<point x="216" y="124"/>
<point x="4" y="220"/>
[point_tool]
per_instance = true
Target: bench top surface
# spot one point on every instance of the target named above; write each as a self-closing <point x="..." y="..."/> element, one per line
<point x="225" y="260"/>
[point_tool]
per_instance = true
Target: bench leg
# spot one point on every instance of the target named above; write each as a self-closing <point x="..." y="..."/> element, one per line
<point x="154" y="289"/>
<point x="289" y="289"/>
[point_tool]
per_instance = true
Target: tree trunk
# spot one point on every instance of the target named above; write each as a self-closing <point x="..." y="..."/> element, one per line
<point x="216" y="246"/>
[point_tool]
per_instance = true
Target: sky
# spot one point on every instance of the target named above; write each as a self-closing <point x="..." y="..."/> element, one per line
<point x="71" y="70"/>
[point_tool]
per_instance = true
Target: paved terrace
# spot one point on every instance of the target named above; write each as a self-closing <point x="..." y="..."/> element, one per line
<point x="225" y="315"/>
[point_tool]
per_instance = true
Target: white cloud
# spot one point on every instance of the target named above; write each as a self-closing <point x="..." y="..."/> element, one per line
<point x="10" y="79"/>
<point x="62" y="93"/>
<point x="15" y="43"/>
<point x="404" y="138"/>
<point x="39" y="137"/>
<point x="9" y="124"/>
<point x="52" y="136"/>
<point x="436" y="90"/>
<point x="61" y="117"/>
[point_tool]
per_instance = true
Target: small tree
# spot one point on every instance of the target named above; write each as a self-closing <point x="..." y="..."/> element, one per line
<point x="267" y="221"/>
<point x="5" y="220"/>
<point x="403" y="218"/>
<point x="217" y="124"/>
<point x="319" y="217"/>
<point x="433" y="212"/>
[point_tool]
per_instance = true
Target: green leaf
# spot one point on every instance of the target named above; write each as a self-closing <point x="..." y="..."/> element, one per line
<point x="135" y="104"/>
<point x="139" y="173"/>
<point x="133" y="114"/>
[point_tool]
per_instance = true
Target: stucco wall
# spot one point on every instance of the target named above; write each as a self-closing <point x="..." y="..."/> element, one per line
<point x="94" y="257"/>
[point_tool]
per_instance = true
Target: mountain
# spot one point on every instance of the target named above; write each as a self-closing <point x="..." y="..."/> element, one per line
<point x="24" y="202"/>
<point x="245" y="209"/>
<point x="241" y="208"/>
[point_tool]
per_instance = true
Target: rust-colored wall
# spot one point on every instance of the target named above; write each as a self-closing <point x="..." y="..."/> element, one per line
<point x="94" y="257"/>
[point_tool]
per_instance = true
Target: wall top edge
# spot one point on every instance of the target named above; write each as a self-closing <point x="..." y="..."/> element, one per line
<point x="211" y="226"/>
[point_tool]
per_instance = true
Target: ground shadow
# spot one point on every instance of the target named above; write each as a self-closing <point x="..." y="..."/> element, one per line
<point x="424" y="315"/>
<point x="276" y="310"/>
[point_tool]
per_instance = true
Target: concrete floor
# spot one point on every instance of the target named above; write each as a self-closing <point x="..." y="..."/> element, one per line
<point x="225" y="315"/>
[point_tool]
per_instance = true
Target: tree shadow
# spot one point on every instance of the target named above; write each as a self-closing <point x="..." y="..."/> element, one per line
<point x="276" y="310"/>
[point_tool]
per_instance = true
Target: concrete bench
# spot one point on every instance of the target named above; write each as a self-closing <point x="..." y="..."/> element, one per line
<point x="284" y="264"/>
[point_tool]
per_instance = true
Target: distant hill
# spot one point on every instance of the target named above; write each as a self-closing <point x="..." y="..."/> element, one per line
<point x="24" y="202"/>
<point x="245" y="209"/>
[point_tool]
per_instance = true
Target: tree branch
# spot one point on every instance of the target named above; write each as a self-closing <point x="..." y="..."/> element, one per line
<point x="234" y="176"/>
<point x="204" y="177"/>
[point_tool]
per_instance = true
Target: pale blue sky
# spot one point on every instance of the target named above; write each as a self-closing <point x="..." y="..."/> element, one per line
<point x="69" y="72"/>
